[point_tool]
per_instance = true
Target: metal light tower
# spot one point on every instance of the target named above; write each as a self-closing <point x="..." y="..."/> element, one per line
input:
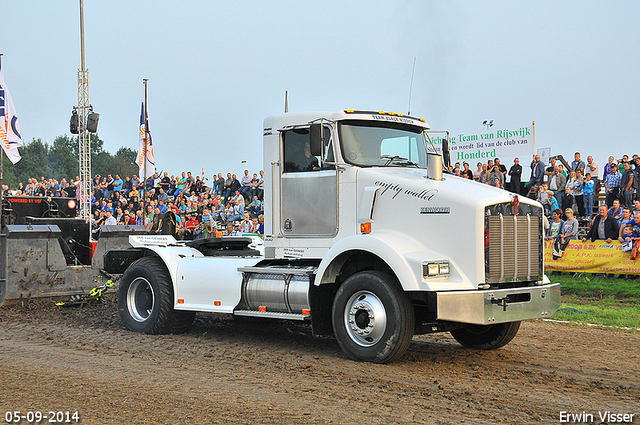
<point x="84" y="141"/>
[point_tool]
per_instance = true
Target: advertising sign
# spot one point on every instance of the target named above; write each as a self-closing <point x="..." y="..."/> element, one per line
<point x="592" y="257"/>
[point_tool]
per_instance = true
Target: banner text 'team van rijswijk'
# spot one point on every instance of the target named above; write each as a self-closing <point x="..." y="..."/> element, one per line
<point x="483" y="146"/>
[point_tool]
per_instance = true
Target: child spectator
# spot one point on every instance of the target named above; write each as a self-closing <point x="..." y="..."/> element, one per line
<point x="208" y="223"/>
<point x="627" y="238"/>
<point x="255" y="225"/>
<point x="553" y="202"/>
<point x="567" y="201"/>
<point x="261" y="226"/>
<point x="245" y="224"/>
<point x="543" y="198"/>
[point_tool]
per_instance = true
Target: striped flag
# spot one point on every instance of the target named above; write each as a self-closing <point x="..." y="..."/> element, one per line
<point x="9" y="127"/>
<point x="146" y="147"/>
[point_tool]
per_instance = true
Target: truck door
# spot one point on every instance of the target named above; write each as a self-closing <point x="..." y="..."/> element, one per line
<point x="309" y="186"/>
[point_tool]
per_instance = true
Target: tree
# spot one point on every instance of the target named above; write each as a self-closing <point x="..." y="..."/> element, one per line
<point x="62" y="161"/>
<point x="125" y="162"/>
<point x="9" y="176"/>
<point x="34" y="162"/>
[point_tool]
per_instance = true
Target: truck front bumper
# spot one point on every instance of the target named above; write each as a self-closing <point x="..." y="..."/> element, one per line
<point x="499" y="306"/>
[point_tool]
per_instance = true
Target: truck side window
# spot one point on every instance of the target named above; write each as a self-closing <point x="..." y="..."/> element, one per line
<point x="297" y="151"/>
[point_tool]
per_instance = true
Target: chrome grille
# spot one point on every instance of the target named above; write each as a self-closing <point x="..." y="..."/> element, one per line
<point x="514" y="251"/>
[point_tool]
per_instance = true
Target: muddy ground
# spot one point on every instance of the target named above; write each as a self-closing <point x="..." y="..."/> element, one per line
<point x="267" y="372"/>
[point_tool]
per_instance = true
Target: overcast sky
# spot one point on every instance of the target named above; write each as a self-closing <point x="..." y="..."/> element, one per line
<point x="217" y="69"/>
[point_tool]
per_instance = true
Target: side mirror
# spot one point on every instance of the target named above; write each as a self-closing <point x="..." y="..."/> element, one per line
<point x="317" y="139"/>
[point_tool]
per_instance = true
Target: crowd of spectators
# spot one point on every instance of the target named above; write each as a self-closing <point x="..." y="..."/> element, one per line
<point x="564" y="189"/>
<point x="193" y="207"/>
<point x="559" y="187"/>
<point x="185" y="206"/>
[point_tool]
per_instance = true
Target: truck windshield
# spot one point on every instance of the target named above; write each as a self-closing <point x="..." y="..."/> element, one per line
<point x="379" y="144"/>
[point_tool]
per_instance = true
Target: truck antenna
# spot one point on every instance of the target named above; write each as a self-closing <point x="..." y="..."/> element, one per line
<point x="286" y="101"/>
<point x="411" y="85"/>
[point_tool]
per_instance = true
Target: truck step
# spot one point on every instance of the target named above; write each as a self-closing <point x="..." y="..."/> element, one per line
<point x="301" y="271"/>
<point x="272" y="315"/>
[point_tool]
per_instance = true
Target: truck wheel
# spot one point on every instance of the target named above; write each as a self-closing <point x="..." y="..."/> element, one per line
<point x="486" y="337"/>
<point x="373" y="318"/>
<point x="145" y="300"/>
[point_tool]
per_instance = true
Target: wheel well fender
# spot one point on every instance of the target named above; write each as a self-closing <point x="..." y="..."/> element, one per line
<point x="383" y="249"/>
<point x="171" y="256"/>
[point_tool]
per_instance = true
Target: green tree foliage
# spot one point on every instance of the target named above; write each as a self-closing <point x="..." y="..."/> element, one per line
<point x="9" y="176"/>
<point x="60" y="159"/>
<point x="124" y="162"/>
<point x="34" y="162"/>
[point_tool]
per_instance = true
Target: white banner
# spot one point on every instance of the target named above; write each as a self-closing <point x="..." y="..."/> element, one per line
<point x="9" y="128"/>
<point x="483" y="146"/>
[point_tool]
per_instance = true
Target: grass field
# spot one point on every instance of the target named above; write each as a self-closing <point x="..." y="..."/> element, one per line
<point x="608" y="302"/>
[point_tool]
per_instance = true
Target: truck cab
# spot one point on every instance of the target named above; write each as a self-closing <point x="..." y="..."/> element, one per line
<point x="370" y="181"/>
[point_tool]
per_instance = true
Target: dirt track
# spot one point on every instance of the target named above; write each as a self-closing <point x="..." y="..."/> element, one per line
<point x="226" y="371"/>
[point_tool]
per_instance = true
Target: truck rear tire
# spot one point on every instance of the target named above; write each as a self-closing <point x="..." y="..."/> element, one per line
<point x="486" y="337"/>
<point x="145" y="300"/>
<point x="373" y="317"/>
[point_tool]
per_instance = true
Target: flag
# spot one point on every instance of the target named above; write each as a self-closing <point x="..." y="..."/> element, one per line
<point x="146" y="147"/>
<point x="9" y="128"/>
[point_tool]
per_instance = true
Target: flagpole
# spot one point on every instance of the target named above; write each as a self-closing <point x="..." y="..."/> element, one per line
<point x="144" y="151"/>
<point x="534" y="139"/>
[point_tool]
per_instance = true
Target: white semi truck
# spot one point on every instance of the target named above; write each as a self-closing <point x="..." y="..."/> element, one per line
<point x="365" y="238"/>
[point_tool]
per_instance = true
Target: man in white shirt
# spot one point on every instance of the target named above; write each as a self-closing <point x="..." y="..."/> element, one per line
<point x="110" y="220"/>
<point x="592" y="167"/>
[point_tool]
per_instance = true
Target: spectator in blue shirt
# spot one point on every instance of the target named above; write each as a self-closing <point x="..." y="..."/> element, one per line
<point x="117" y="184"/>
<point x="588" y="191"/>
<point x="616" y="210"/>
<point x="255" y="207"/>
<point x="612" y="186"/>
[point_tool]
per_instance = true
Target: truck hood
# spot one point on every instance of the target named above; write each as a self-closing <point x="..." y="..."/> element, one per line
<point x="398" y="182"/>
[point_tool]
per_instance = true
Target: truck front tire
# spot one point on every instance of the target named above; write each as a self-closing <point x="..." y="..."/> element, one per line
<point x="486" y="337"/>
<point x="373" y="317"/>
<point x="145" y="300"/>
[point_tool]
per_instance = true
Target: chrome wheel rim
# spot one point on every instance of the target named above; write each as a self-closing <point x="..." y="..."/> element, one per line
<point x="365" y="318"/>
<point x="140" y="299"/>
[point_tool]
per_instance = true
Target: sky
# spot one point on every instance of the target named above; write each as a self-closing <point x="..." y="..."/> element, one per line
<point x="217" y="69"/>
